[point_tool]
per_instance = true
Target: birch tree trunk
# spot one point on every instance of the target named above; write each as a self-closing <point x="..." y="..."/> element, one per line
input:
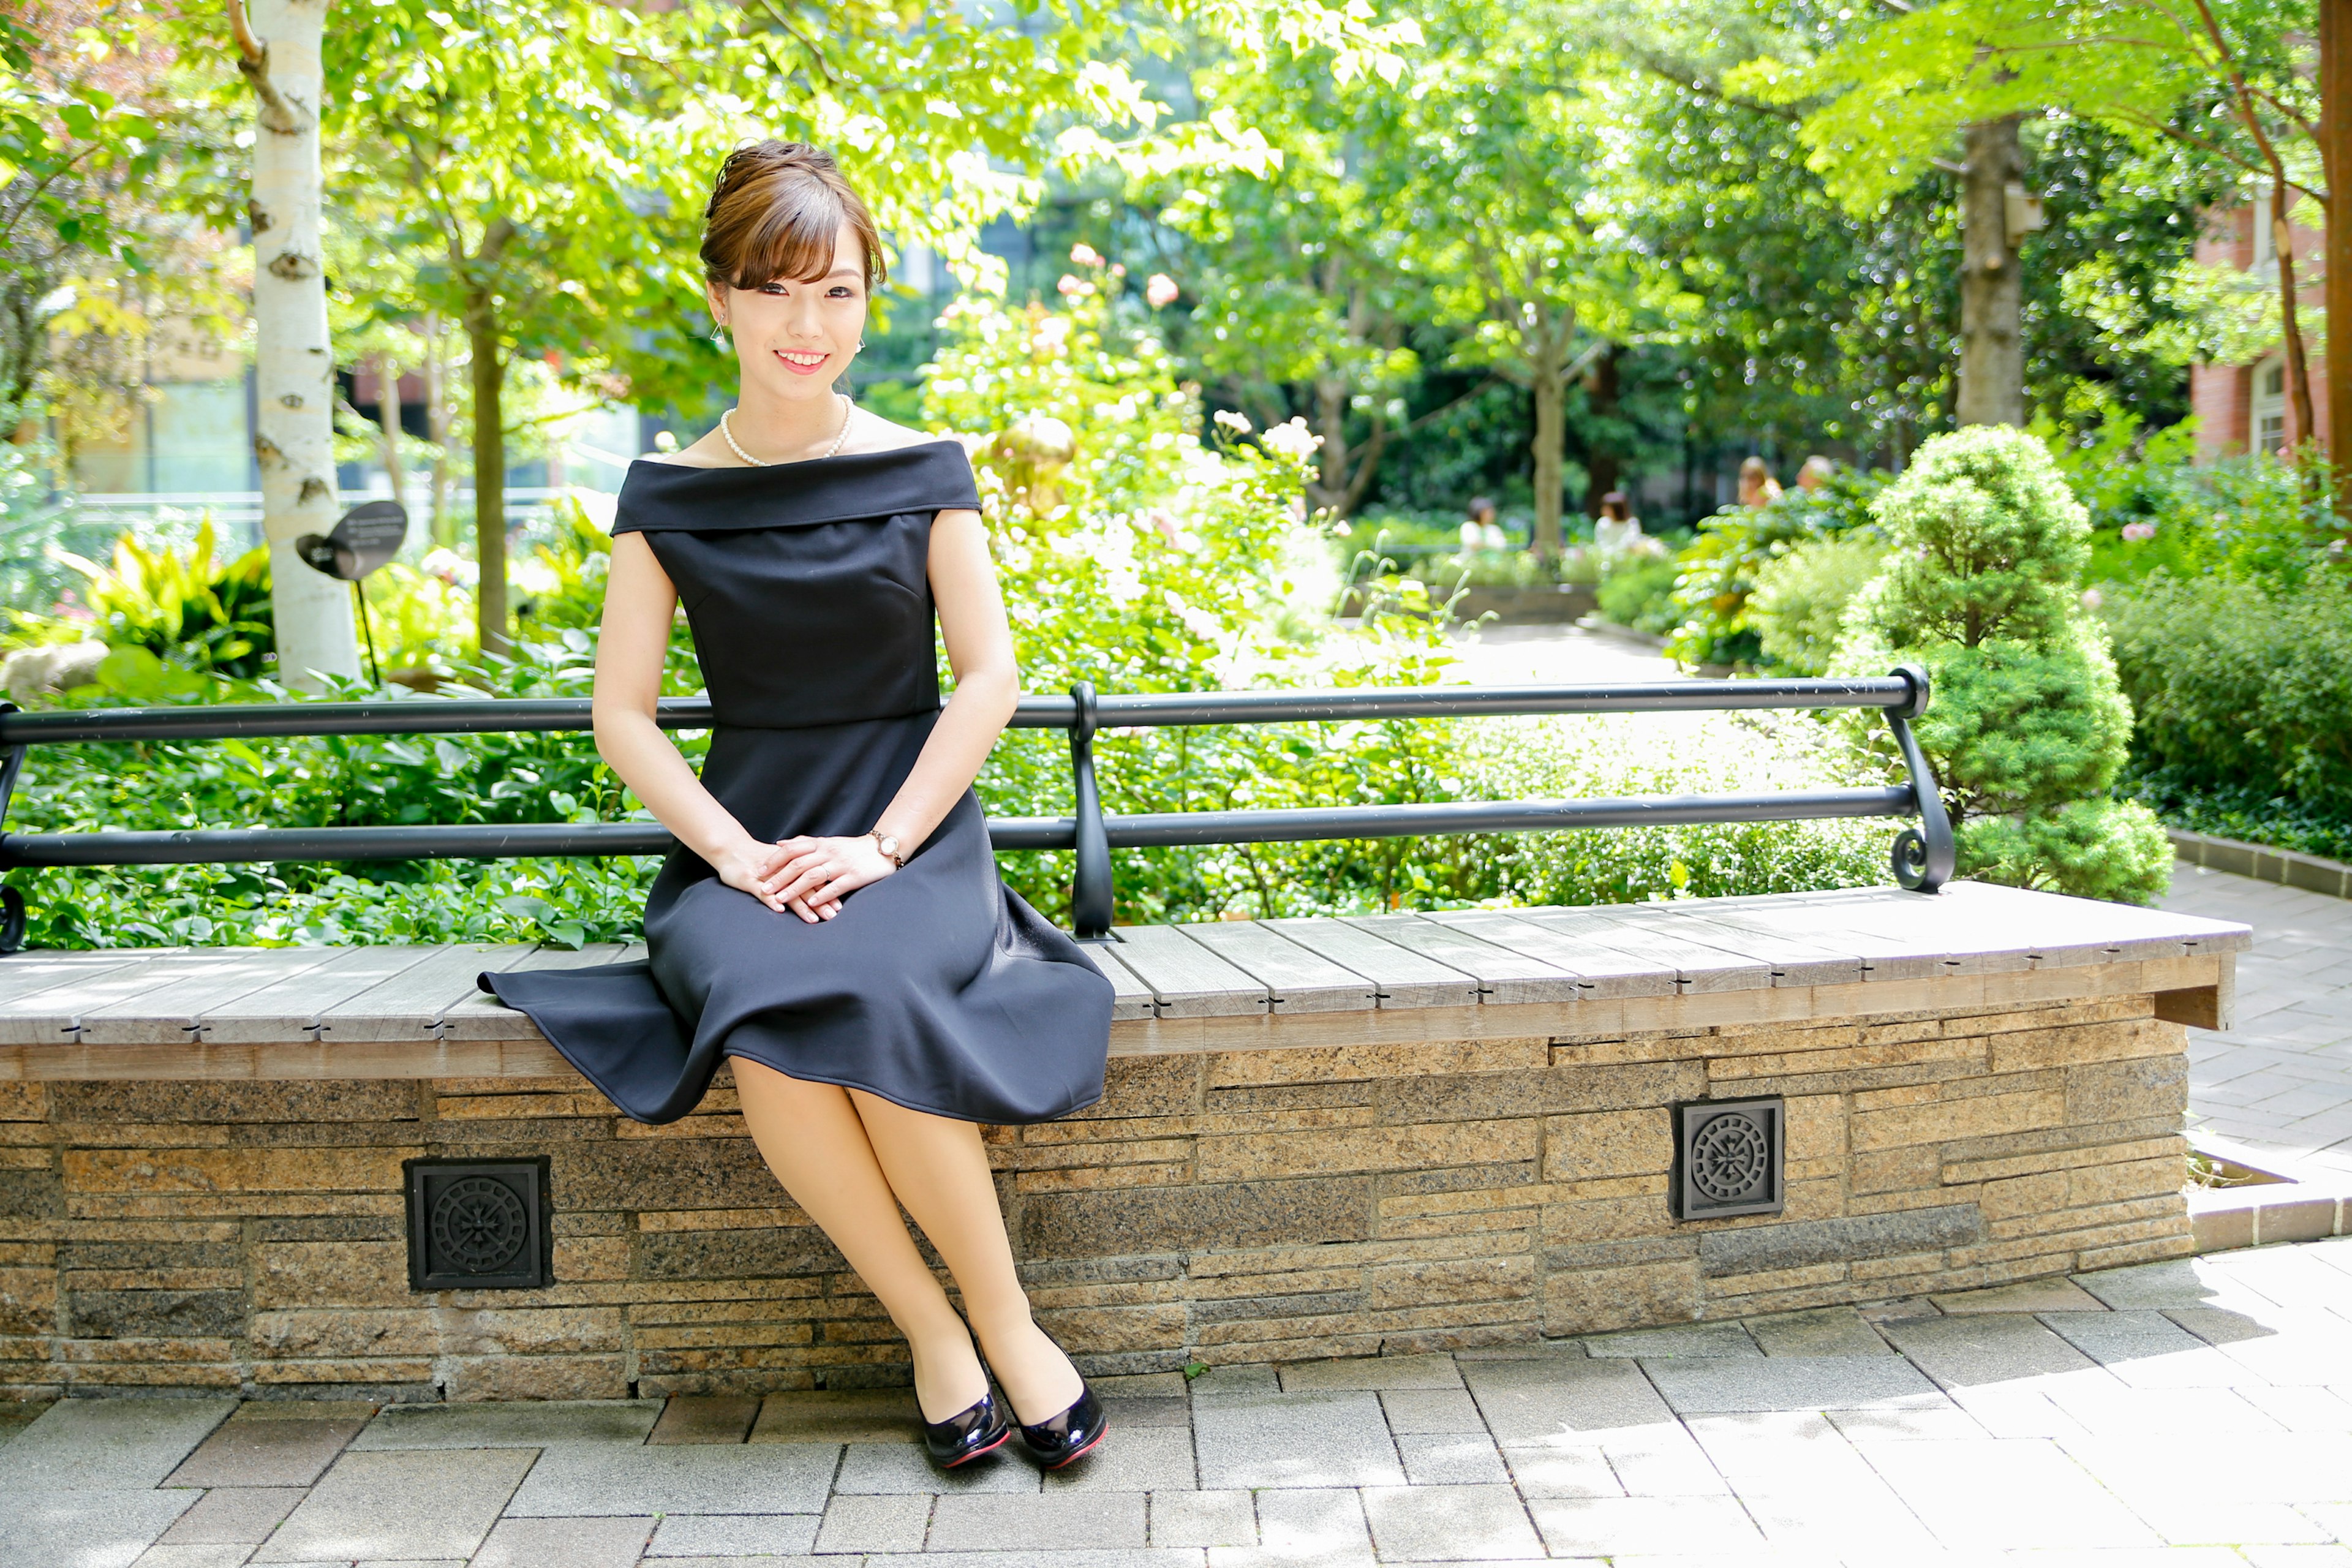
<point x="1992" y="291"/>
<point x="294" y="362"/>
<point x="2335" y="153"/>
<point x="489" y="478"/>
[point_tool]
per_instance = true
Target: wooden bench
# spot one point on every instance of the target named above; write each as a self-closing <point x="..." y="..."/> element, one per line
<point x="1321" y="1137"/>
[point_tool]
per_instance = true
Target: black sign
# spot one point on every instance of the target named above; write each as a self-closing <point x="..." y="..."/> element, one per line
<point x="369" y="535"/>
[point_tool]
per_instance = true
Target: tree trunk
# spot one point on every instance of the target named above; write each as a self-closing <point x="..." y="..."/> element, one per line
<point x="2336" y="151"/>
<point x="437" y="428"/>
<point x="1993" y="293"/>
<point x="490" y="475"/>
<point x="1330" y="487"/>
<point x="1551" y="432"/>
<point x="294" y="361"/>
<point x="1602" y="466"/>
<point x="387" y="414"/>
<point x="2298" y="359"/>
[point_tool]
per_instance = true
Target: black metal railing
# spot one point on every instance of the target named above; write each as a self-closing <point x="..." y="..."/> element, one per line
<point x="1922" y="855"/>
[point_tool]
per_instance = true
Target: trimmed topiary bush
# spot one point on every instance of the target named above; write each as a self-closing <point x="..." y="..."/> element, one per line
<point x="2028" y="728"/>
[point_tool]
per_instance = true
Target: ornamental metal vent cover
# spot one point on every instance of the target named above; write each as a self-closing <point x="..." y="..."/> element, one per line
<point x="478" y="1225"/>
<point x="1727" y="1157"/>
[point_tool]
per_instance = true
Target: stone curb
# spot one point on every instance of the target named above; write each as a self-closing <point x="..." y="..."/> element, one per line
<point x="2308" y="1203"/>
<point x="2284" y="867"/>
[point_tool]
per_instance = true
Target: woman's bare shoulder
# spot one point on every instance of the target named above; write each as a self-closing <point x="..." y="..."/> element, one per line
<point x="876" y="434"/>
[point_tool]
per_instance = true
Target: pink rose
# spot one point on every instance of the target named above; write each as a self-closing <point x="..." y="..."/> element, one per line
<point x="1086" y="255"/>
<point x="1071" y="286"/>
<point x="1161" y="291"/>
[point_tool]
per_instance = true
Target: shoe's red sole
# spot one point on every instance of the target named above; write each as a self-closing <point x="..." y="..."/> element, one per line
<point x="1082" y="1453"/>
<point x="976" y="1453"/>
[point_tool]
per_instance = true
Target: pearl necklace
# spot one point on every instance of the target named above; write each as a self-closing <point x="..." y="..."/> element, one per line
<point x="727" y="432"/>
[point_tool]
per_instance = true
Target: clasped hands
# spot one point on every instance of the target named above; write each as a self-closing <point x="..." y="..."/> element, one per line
<point x="808" y="876"/>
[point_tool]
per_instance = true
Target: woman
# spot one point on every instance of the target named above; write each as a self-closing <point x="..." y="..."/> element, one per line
<point x="832" y="919"/>
<point x="1616" y="529"/>
<point x="1758" y="487"/>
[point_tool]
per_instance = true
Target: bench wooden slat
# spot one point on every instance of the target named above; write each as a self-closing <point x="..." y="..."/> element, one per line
<point x="479" y="1015"/>
<point x="1698" y="968"/>
<point x="1400" y="976"/>
<point x="174" y="1010"/>
<point x="1504" y="975"/>
<point x="2053" y="926"/>
<point x="289" y="1009"/>
<point x="1131" y="997"/>
<point x="1600" y="972"/>
<point x="1189" y="981"/>
<point x="1300" y="981"/>
<point x="24" y="974"/>
<point x="1882" y="958"/>
<point x="53" y="1013"/>
<point x="410" y="1004"/>
<point x="1794" y="960"/>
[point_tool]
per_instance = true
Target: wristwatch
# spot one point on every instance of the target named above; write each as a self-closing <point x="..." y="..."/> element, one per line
<point x="888" y="843"/>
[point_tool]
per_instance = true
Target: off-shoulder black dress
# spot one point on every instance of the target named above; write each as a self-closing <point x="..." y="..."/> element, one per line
<point x="937" y="987"/>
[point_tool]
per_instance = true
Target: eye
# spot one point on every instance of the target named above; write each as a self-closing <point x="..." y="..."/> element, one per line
<point x="772" y="287"/>
<point x="844" y="291"/>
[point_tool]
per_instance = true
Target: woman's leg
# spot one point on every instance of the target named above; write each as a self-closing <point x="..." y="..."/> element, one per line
<point x="939" y="1170"/>
<point x="813" y="1141"/>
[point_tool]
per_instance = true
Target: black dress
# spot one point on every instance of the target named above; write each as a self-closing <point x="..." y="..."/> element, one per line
<point x="937" y="987"/>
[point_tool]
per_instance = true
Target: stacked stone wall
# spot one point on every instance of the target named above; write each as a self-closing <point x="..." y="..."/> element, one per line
<point x="1219" y="1207"/>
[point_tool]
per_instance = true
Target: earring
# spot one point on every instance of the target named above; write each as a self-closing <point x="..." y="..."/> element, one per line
<point x="860" y="348"/>
<point x="717" y="331"/>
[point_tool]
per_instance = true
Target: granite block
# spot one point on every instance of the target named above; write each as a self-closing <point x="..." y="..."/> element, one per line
<point x="608" y="1479"/>
<point x="400" y="1507"/>
<point x="1337" y="1439"/>
<point x="107" y="1445"/>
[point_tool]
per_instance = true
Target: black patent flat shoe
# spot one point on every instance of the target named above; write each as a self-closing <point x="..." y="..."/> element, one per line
<point x="968" y="1434"/>
<point x="1064" y="1438"/>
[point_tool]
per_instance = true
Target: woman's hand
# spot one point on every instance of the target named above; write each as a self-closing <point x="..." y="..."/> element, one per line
<point x="812" y="876"/>
<point x="747" y="866"/>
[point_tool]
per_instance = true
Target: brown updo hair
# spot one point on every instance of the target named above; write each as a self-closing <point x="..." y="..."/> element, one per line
<point x="774" y="213"/>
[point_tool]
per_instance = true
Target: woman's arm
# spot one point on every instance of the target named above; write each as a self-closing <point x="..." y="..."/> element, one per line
<point x="987" y="688"/>
<point x="638" y="603"/>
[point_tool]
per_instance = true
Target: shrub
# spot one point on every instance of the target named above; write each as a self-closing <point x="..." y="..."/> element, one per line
<point x="2243" y="688"/>
<point x="1639" y="593"/>
<point x="1720" y="567"/>
<point x="1800" y="599"/>
<point x="199" y="611"/>
<point x="2028" y="728"/>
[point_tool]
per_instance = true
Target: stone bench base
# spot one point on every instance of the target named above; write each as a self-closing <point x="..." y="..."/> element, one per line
<point x="1225" y="1202"/>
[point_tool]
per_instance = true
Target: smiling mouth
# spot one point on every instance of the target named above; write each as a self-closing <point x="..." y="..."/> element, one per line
<point x="800" y="362"/>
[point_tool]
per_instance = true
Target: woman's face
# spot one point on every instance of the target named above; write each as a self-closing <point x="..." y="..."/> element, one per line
<point x="795" y="339"/>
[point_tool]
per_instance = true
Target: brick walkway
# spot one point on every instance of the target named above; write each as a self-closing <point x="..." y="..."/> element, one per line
<point x="2283" y="1077"/>
<point x="2190" y="1414"/>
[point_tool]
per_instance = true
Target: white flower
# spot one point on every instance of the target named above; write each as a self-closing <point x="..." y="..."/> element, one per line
<point x="1292" y="440"/>
<point x="1086" y="255"/>
<point x="1072" y="287"/>
<point x="1234" y="420"/>
<point x="1161" y="291"/>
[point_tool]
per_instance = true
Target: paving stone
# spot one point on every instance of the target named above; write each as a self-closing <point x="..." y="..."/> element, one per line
<point x="705" y="1418"/>
<point x="691" y="1562"/>
<point x="889" y="1468"/>
<point x="2297" y="1556"/>
<point x="738" y="1534"/>
<point x="2177" y="1283"/>
<point x="1127" y="1414"/>
<point x="2279" y="1468"/>
<point x="1142" y="1385"/>
<point x="1313" y="1528"/>
<point x="2024" y="1411"/>
<point x="891" y="1523"/>
<point x="1147" y="1460"/>
<point x="1449" y="1523"/>
<point x="1372" y="1373"/>
<point x="1104" y="1557"/>
<point x="2112" y="1411"/>
<point x="2004" y="1493"/>
<point x="1792" y="1382"/>
<point x="1296" y="1440"/>
<point x="106" y="1445"/>
<point x="233" y="1515"/>
<point x="1807" y="1486"/>
<point x="1983" y="1348"/>
<point x="1681" y="1340"/>
<point x="566" y="1543"/>
<point x="1055" y="1521"/>
<point x="1527" y="1400"/>
<point x="270" y="1451"/>
<point x="1203" y="1519"/>
<point x="515" y="1426"/>
<point x="1467" y="1459"/>
<point x="1224" y="1381"/>
<point x="396" y="1506"/>
<point x="163" y="1556"/>
<point x="604" y="1479"/>
<point x="1704" y="1527"/>
<point x="1549" y="1471"/>
<point x="846" y="1416"/>
<point x="2188" y="1520"/>
<point x="1825" y="1330"/>
<point x="2116" y="1339"/>
<point x="1432" y="1410"/>
<point x="2302" y="1409"/>
<point x="1949" y="1422"/>
<point x="2026" y="1295"/>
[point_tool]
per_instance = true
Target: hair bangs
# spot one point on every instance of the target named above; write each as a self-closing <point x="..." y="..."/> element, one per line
<point x="795" y="237"/>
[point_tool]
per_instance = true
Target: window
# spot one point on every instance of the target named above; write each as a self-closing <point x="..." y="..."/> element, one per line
<point x="2266" y="422"/>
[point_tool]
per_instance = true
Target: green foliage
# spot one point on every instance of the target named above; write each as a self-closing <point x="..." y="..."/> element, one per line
<point x="1719" y="570"/>
<point x="2029" y="727"/>
<point x="1639" y="594"/>
<point x="1798" y="609"/>
<point x="202" y="613"/>
<point x="2243" y="687"/>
